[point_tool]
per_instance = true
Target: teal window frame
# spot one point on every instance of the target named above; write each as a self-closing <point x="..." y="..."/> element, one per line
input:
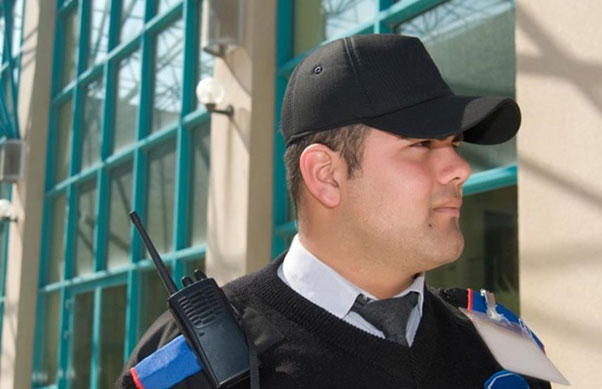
<point x="11" y="68"/>
<point x="9" y="124"/>
<point x="190" y="118"/>
<point x="387" y="16"/>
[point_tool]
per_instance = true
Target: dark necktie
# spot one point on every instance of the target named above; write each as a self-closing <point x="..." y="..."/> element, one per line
<point x="389" y="315"/>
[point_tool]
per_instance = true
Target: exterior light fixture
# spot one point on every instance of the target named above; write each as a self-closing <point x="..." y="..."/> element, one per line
<point x="12" y="160"/>
<point x="211" y="92"/>
<point x="6" y="211"/>
<point x="223" y="26"/>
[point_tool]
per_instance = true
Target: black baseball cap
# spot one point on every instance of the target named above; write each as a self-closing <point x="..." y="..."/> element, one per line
<point x="388" y="82"/>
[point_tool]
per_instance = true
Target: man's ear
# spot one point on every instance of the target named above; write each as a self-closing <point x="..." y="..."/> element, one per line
<point x="321" y="170"/>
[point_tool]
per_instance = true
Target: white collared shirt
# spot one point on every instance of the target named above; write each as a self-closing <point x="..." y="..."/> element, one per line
<point x="323" y="286"/>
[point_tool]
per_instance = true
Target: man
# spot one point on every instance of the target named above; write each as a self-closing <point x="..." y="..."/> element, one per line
<point x="371" y="132"/>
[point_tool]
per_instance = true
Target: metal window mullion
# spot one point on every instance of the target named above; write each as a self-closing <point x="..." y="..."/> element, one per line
<point x="69" y="246"/>
<point x="140" y="160"/>
<point x="491" y="179"/>
<point x="191" y="55"/>
<point x="8" y="48"/>
<point x="159" y="22"/>
<point x="84" y="32"/>
<point x="114" y="25"/>
<point x="284" y="51"/>
<point x="379" y="26"/>
<point x="110" y="83"/>
<point x="76" y="120"/>
<point x="184" y="144"/>
<point x="45" y="246"/>
<point x="196" y="117"/>
<point x="96" y="331"/>
<point x="3" y="263"/>
<point x="182" y="188"/>
<point x="139" y="181"/>
<point x="51" y="146"/>
<point x="145" y="88"/>
<point x="38" y="333"/>
<point x="100" y="233"/>
<point x="149" y="11"/>
<point x="65" y="306"/>
<point x="405" y="10"/>
<point x="131" y="323"/>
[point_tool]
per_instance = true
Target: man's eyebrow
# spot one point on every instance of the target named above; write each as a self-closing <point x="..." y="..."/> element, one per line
<point x="458" y="138"/>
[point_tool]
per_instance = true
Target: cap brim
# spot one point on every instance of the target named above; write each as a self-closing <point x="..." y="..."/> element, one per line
<point x="483" y="120"/>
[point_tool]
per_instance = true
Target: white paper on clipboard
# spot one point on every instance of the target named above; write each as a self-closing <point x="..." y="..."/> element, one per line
<point x="514" y="350"/>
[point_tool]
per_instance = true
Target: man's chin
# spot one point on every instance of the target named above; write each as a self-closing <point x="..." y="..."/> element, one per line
<point x="448" y="253"/>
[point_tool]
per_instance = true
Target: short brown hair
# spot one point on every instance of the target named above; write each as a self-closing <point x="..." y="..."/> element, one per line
<point x="347" y="141"/>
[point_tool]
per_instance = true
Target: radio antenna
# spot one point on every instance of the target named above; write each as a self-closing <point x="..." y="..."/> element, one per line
<point x="163" y="273"/>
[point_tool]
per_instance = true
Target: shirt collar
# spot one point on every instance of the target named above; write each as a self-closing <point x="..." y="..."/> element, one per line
<point x="326" y="288"/>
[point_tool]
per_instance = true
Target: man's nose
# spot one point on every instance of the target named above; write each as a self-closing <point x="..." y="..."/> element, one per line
<point x="453" y="167"/>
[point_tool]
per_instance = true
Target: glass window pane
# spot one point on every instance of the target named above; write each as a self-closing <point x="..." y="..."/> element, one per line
<point x="70" y="43"/>
<point x="192" y="264"/>
<point x="152" y="300"/>
<point x="132" y="19"/>
<point x="64" y="129"/>
<point x="46" y="372"/>
<point x="490" y="257"/>
<point x="17" y="26"/>
<point x="92" y="119"/>
<point x="120" y="204"/>
<point x="56" y="235"/>
<point x="127" y="101"/>
<point x="81" y="340"/>
<point x="160" y="195"/>
<point x="112" y="335"/>
<point x="8" y="92"/>
<point x="86" y="222"/>
<point x="201" y="139"/>
<point x="164" y="5"/>
<point x="2" y="29"/>
<point x="320" y="20"/>
<point x="472" y="43"/>
<point x="167" y="92"/>
<point x="99" y="31"/>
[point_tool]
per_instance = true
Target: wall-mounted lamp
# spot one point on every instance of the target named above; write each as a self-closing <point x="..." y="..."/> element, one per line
<point x="211" y="92"/>
<point x="222" y="26"/>
<point x="6" y="211"/>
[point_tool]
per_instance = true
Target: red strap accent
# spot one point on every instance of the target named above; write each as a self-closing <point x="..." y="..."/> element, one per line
<point x="136" y="378"/>
<point x="470" y="293"/>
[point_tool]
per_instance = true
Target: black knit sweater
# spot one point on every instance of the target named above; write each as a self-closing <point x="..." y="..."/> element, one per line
<point x="304" y="346"/>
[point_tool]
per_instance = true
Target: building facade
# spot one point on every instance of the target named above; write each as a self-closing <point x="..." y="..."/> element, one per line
<point x="102" y="95"/>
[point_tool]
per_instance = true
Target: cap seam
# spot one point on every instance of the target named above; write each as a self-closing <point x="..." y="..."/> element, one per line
<point x="351" y="57"/>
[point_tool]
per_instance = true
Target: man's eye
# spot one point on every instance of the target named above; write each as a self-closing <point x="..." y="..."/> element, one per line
<point x="424" y="143"/>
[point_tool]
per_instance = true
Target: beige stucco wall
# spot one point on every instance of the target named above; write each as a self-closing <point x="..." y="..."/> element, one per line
<point x="240" y="189"/>
<point x="18" y="325"/>
<point x="559" y="88"/>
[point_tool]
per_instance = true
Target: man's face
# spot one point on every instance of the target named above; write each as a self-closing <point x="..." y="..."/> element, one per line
<point x="405" y="202"/>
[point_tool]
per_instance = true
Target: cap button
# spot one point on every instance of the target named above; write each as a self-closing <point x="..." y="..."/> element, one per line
<point x="318" y="69"/>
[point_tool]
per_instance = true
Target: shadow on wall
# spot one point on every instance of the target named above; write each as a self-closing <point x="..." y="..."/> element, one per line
<point x="557" y="62"/>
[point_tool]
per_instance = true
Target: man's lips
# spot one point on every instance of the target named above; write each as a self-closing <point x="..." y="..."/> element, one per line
<point x="449" y="207"/>
<point x="448" y="210"/>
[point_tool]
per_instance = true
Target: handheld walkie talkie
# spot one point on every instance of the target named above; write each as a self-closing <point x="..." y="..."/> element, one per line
<point x="206" y="319"/>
